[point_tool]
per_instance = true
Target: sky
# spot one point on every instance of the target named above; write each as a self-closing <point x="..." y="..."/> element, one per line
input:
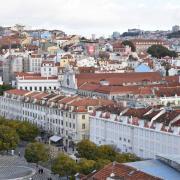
<point x="86" y="17"/>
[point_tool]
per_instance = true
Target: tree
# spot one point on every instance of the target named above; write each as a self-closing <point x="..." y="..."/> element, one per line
<point x="87" y="149"/>
<point x="4" y="87"/>
<point x="126" y="157"/>
<point x="160" y="51"/>
<point x="100" y="163"/>
<point x="36" y="152"/>
<point x="64" y="165"/>
<point x="107" y="152"/>
<point x="66" y="48"/>
<point x="14" y="124"/>
<point x="27" y="131"/>
<point x="8" y="138"/>
<point x="86" y="166"/>
<point x="130" y="44"/>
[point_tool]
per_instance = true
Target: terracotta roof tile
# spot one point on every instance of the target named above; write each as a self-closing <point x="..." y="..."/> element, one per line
<point x="120" y="171"/>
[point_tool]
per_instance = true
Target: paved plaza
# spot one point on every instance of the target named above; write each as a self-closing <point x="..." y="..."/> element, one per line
<point x="14" y="167"/>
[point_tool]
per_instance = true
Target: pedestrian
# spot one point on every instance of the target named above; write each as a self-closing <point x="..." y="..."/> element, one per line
<point x="42" y="171"/>
<point x="39" y="171"/>
<point x="19" y="154"/>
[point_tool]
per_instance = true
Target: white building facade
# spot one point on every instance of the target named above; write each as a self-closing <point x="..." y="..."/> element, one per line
<point x="35" y="62"/>
<point x="143" y="141"/>
<point x="67" y="117"/>
<point x="37" y="83"/>
<point x="69" y="124"/>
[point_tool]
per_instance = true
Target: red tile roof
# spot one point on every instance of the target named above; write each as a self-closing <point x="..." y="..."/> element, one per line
<point x="167" y="91"/>
<point x="90" y="102"/>
<point x="117" y="78"/>
<point x="136" y="112"/>
<point x="119" y="171"/>
<point x="34" y="76"/>
<point x="18" y="92"/>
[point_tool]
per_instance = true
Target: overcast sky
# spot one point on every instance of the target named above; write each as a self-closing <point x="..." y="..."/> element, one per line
<point x="86" y="17"/>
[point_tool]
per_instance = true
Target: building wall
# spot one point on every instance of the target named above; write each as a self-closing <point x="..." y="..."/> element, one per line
<point x="57" y="121"/>
<point x="144" y="142"/>
<point x="38" y="85"/>
<point x="35" y="65"/>
<point x="48" y="70"/>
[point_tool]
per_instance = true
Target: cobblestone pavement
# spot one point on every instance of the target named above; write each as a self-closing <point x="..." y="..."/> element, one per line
<point x="14" y="167"/>
<point x="45" y="175"/>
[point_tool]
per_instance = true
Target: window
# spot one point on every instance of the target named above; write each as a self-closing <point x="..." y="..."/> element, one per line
<point x="73" y="126"/>
<point x="35" y="88"/>
<point x="90" y="108"/>
<point x="30" y="88"/>
<point x="67" y="82"/>
<point x="40" y="88"/>
<point x="83" y="116"/>
<point x="83" y="126"/>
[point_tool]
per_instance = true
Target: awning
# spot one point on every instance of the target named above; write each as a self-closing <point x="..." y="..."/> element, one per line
<point x="55" y="138"/>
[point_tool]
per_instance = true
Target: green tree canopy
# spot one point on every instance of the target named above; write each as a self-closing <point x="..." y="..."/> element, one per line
<point x="130" y="44"/>
<point x="126" y="157"/>
<point x="4" y="87"/>
<point x="27" y="131"/>
<point x="86" y="166"/>
<point x="160" y="51"/>
<point x="24" y="129"/>
<point x="103" y="154"/>
<point x="8" y="138"/>
<point x="107" y="152"/>
<point x="87" y="149"/>
<point x="64" y="165"/>
<point x="100" y="163"/>
<point x="36" y="152"/>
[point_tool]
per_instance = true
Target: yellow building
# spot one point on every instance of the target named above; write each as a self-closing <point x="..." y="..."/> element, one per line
<point x="66" y="60"/>
<point x="52" y="50"/>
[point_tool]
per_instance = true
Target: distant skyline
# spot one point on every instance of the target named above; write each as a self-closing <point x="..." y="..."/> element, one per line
<point x="87" y="17"/>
